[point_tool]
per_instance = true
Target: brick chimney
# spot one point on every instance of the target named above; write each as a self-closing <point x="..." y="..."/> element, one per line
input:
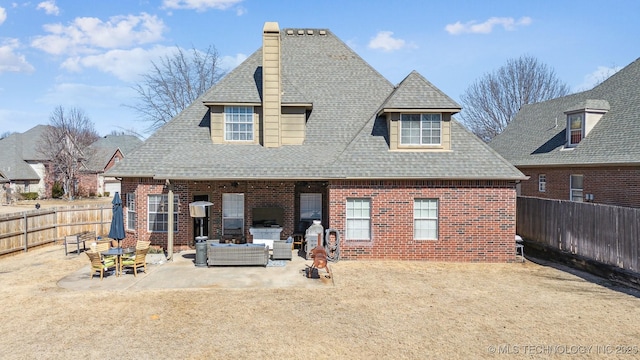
<point x="271" y="84"/>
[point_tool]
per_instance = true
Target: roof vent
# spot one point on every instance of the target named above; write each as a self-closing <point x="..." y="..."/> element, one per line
<point x="289" y="31"/>
<point x="322" y="32"/>
<point x="300" y="32"/>
<point x="309" y="32"/>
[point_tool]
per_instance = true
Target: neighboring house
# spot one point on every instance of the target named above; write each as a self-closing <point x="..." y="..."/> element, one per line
<point x="103" y="154"/>
<point x="22" y="166"/>
<point x="305" y="129"/>
<point x="580" y="147"/>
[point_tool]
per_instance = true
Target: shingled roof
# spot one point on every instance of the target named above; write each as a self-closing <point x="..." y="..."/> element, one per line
<point x="416" y="92"/>
<point x="537" y="135"/>
<point x="344" y="136"/>
<point x="102" y="150"/>
<point x="20" y="149"/>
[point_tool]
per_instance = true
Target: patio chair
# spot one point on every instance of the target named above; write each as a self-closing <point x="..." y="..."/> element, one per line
<point x="102" y="247"/>
<point x="282" y="250"/>
<point x="298" y="235"/>
<point x="140" y="245"/>
<point x="138" y="260"/>
<point x="98" y="264"/>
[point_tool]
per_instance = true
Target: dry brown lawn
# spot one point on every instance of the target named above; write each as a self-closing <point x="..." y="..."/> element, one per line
<point x="376" y="310"/>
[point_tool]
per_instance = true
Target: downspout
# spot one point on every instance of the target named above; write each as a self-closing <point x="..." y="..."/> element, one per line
<point x="170" y="223"/>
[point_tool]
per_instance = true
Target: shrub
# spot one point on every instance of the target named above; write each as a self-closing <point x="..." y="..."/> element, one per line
<point x="29" y="195"/>
<point x="155" y="250"/>
<point x="106" y="194"/>
<point x="57" y="191"/>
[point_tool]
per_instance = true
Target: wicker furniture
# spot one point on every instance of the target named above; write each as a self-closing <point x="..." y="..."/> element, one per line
<point x="282" y="250"/>
<point x="97" y="264"/>
<point x="237" y="254"/>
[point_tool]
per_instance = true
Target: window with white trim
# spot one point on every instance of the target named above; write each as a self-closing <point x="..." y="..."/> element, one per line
<point x="158" y="213"/>
<point x="542" y="182"/>
<point x="238" y="123"/>
<point x="233" y="214"/>
<point x="358" y="219"/>
<point x="425" y="219"/>
<point x="420" y="129"/>
<point x="576" y="184"/>
<point x="310" y="207"/>
<point x="576" y="128"/>
<point x="132" y="217"/>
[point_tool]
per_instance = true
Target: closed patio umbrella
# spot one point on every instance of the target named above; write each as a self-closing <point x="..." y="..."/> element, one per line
<point x="117" y="220"/>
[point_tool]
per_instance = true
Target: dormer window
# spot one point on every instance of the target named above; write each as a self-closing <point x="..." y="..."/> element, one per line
<point x="582" y="118"/>
<point x="238" y="123"/>
<point x="576" y="128"/>
<point x="420" y="129"/>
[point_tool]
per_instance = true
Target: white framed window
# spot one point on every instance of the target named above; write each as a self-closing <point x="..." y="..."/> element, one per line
<point x="233" y="214"/>
<point x="238" y="123"/>
<point x="576" y="128"/>
<point x="425" y="219"/>
<point x="576" y="184"/>
<point x="132" y="217"/>
<point x="158" y="213"/>
<point x="310" y="206"/>
<point x="542" y="182"/>
<point x="358" y="219"/>
<point x="420" y="129"/>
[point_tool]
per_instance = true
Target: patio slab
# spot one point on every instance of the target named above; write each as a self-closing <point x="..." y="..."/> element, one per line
<point x="182" y="273"/>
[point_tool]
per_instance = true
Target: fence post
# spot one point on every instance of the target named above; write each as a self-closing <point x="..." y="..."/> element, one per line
<point x="26" y="232"/>
<point x="55" y="225"/>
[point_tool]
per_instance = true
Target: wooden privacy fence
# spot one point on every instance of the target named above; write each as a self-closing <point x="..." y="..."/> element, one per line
<point x="21" y="231"/>
<point x="604" y="233"/>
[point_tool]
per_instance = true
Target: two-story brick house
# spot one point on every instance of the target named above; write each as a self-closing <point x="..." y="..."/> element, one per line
<point x="580" y="147"/>
<point x="308" y="130"/>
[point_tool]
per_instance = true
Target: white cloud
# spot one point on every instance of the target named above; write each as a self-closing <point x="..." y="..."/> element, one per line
<point x="49" y="7"/>
<point x="126" y="65"/>
<point x="3" y="15"/>
<point x="86" y="35"/>
<point x="199" y="5"/>
<point x="228" y="63"/>
<point x="385" y="41"/>
<point x="10" y="61"/>
<point x="486" y="27"/>
<point x="601" y="74"/>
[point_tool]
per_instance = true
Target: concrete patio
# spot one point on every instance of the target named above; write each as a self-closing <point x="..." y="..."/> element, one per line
<point x="181" y="272"/>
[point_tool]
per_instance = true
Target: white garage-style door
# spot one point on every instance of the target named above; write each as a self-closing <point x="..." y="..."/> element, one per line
<point x="111" y="187"/>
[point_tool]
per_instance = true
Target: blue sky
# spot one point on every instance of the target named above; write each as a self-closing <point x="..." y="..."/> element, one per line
<point x="88" y="53"/>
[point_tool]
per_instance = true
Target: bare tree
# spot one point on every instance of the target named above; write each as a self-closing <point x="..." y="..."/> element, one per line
<point x="65" y="144"/>
<point x="175" y="82"/>
<point x="491" y="102"/>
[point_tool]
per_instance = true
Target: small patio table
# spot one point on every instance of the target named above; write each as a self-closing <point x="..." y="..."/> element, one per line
<point x="118" y="252"/>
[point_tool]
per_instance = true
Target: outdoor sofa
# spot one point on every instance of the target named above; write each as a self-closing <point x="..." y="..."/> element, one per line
<point x="237" y="254"/>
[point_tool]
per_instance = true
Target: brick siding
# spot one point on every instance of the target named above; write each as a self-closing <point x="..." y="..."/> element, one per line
<point x="476" y="218"/>
<point x="618" y="186"/>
